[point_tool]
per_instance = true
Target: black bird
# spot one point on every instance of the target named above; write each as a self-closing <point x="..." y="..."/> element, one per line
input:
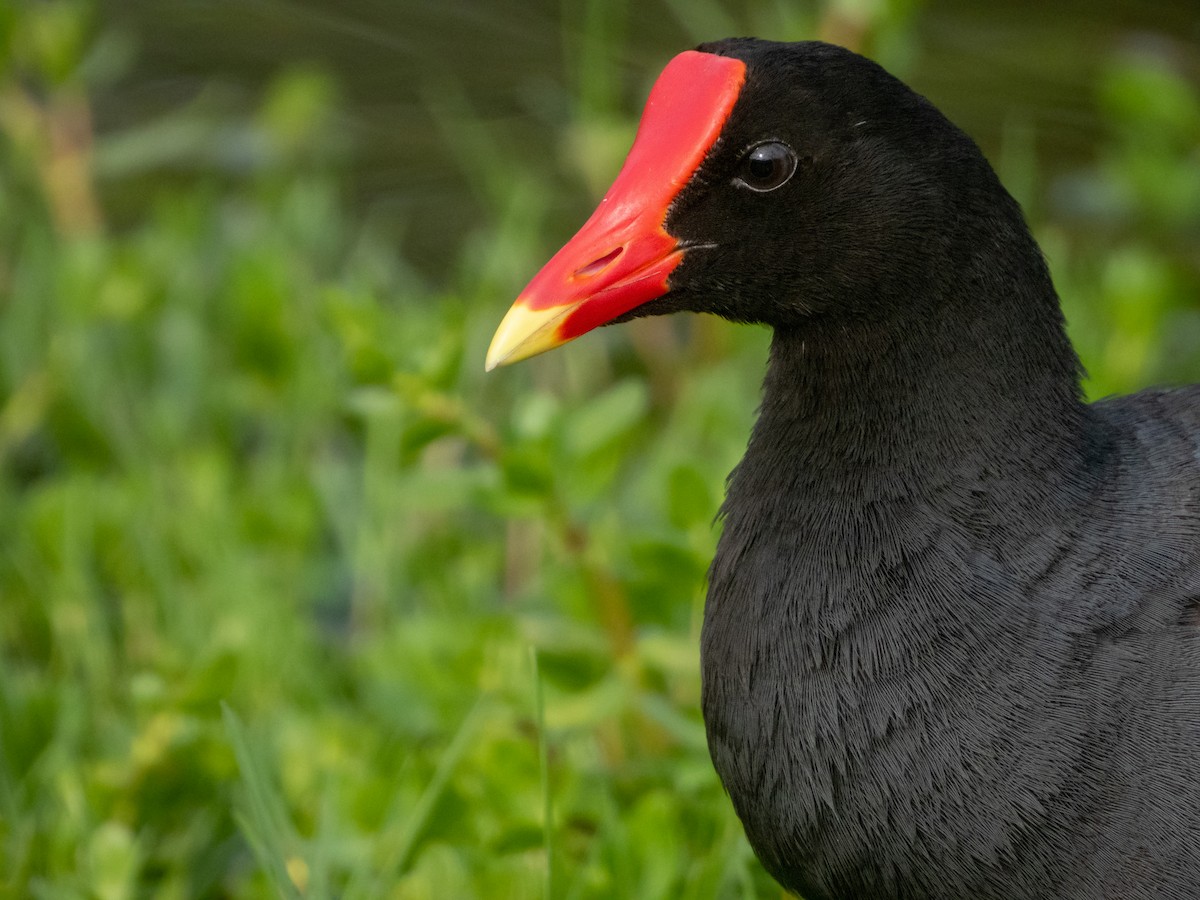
<point x="951" y="646"/>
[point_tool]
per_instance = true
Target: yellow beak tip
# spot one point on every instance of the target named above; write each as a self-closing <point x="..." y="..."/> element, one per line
<point x="523" y="333"/>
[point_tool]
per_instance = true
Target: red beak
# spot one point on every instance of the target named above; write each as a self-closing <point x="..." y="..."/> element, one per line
<point x="623" y="256"/>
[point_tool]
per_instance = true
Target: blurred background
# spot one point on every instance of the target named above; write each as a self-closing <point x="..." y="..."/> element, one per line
<point x="293" y="600"/>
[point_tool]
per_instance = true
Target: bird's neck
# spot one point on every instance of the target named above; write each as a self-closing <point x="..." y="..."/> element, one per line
<point x="917" y="410"/>
<point x="880" y="445"/>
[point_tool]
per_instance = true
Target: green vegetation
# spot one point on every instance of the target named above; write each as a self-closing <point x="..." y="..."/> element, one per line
<point x="294" y="601"/>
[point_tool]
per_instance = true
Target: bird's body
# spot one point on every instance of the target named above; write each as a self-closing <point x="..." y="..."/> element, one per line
<point x="935" y="696"/>
<point x="951" y="645"/>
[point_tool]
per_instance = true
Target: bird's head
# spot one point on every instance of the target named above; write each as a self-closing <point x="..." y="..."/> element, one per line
<point x="767" y="183"/>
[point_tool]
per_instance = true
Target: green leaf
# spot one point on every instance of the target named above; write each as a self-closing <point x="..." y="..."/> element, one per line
<point x="605" y="419"/>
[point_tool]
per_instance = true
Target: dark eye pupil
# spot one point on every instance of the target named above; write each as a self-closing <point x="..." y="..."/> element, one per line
<point x="768" y="166"/>
<point x="763" y="167"/>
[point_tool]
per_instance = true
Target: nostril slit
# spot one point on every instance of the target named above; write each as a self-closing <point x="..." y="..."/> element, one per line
<point x="597" y="266"/>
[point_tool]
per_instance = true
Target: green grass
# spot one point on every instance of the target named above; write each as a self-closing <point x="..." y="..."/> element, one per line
<point x="294" y="601"/>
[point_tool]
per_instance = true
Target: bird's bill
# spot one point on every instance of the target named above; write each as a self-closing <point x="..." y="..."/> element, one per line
<point x="600" y="274"/>
<point x="623" y="256"/>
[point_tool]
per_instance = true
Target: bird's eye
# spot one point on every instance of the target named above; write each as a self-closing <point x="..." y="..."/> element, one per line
<point x="767" y="166"/>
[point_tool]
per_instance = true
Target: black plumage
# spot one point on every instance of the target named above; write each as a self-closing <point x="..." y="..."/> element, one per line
<point x="950" y="646"/>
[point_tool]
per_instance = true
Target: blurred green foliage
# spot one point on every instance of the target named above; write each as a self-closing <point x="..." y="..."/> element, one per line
<point x="295" y="602"/>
